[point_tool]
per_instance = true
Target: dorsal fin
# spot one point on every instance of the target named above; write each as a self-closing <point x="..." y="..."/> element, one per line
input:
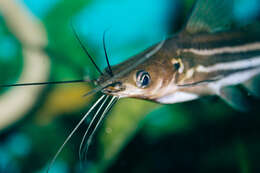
<point x="210" y="16"/>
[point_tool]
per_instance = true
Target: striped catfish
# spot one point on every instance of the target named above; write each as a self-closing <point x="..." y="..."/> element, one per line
<point x="207" y="57"/>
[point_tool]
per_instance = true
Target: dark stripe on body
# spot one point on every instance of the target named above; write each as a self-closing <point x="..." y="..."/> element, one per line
<point x="195" y="60"/>
<point x="217" y="40"/>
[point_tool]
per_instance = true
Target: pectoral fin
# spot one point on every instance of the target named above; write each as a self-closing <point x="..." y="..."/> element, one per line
<point x="253" y="86"/>
<point x="235" y="98"/>
<point x="210" y="16"/>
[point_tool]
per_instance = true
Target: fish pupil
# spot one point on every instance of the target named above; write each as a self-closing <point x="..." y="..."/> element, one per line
<point x="145" y="80"/>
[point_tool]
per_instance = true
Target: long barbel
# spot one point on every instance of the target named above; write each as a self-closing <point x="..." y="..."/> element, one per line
<point x="73" y="131"/>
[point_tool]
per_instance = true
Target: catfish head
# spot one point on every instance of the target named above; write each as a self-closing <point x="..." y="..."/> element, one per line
<point x="150" y="75"/>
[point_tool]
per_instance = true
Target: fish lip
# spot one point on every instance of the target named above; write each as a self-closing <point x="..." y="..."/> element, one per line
<point x="113" y="88"/>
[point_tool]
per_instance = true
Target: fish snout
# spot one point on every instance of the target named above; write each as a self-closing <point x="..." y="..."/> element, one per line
<point x="113" y="88"/>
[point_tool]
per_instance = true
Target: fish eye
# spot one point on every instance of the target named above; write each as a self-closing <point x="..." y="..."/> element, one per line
<point x="143" y="79"/>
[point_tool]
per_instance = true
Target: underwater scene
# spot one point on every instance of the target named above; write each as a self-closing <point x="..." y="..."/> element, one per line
<point x="53" y="52"/>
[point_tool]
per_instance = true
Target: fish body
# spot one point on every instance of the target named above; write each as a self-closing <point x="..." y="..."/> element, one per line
<point x="209" y="62"/>
<point x="186" y="67"/>
<point x="202" y="59"/>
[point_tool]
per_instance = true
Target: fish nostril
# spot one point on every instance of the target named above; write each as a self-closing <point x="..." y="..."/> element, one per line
<point x="177" y="65"/>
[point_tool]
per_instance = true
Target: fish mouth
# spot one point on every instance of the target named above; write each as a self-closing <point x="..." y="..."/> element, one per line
<point x="113" y="88"/>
